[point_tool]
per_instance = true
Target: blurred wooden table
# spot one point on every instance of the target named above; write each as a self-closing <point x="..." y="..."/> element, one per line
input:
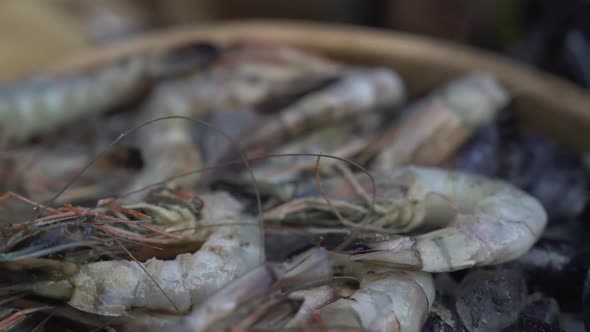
<point x="34" y="34"/>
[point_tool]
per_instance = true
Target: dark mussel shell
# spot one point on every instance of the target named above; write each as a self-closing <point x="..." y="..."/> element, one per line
<point x="557" y="268"/>
<point x="531" y="162"/>
<point x="490" y="300"/>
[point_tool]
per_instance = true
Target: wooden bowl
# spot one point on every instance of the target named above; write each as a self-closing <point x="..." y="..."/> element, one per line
<point x="544" y="102"/>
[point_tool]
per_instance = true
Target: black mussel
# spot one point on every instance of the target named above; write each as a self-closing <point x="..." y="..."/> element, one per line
<point x="437" y="323"/>
<point x="586" y="301"/>
<point x="557" y="179"/>
<point x="528" y="324"/>
<point x="557" y="268"/>
<point x="490" y="300"/>
<point x="531" y="162"/>
<point x="482" y="155"/>
<point x="443" y="315"/>
<point x="540" y="314"/>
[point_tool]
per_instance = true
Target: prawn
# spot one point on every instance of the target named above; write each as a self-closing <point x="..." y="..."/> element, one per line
<point x="37" y="105"/>
<point x="231" y="248"/>
<point x="385" y="300"/>
<point x="435" y="127"/>
<point x="494" y="223"/>
<point x="282" y="175"/>
<point x="240" y="298"/>
<point x="240" y="79"/>
<point x="358" y="91"/>
<point x="243" y="78"/>
<point x="480" y="221"/>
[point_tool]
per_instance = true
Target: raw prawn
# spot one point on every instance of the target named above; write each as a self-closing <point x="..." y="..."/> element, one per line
<point x="264" y="77"/>
<point x="167" y="146"/>
<point x="33" y="107"/>
<point x="237" y="300"/>
<point x="240" y="79"/>
<point x="385" y="301"/>
<point x="359" y="91"/>
<point x="434" y="128"/>
<point x="232" y="248"/>
<point x="481" y="221"/>
<point x="246" y="79"/>
<point x="494" y="222"/>
<point x="281" y="176"/>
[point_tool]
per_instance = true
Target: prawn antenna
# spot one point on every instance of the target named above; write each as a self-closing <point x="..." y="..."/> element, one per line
<point x="361" y="225"/>
<point x="166" y="118"/>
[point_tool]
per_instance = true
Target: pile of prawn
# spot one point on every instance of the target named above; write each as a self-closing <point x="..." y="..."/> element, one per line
<point x="331" y="211"/>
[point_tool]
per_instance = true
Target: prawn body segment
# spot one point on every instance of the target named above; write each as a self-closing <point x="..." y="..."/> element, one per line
<point x="357" y="93"/>
<point x="253" y="291"/>
<point x="41" y="104"/>
<point x="381" y="300"/>
<point x="494" y="222"/>
<point x="387" y="300"/>
<point x="34" y="107"/>
<point x="434" y="128"/>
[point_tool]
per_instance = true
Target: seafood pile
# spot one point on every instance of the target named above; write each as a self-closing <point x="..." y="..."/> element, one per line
<point x="256" y="186"/>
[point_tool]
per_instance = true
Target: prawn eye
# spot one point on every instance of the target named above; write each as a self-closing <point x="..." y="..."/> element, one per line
<point x="359" y="248"/>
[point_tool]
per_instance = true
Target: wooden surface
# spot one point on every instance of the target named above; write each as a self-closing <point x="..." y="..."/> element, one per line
<point x="33" y="35"/>
<point x="545" y="102"/>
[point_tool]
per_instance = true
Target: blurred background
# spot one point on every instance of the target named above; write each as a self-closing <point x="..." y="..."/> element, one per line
<point x="552" y="35"/>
